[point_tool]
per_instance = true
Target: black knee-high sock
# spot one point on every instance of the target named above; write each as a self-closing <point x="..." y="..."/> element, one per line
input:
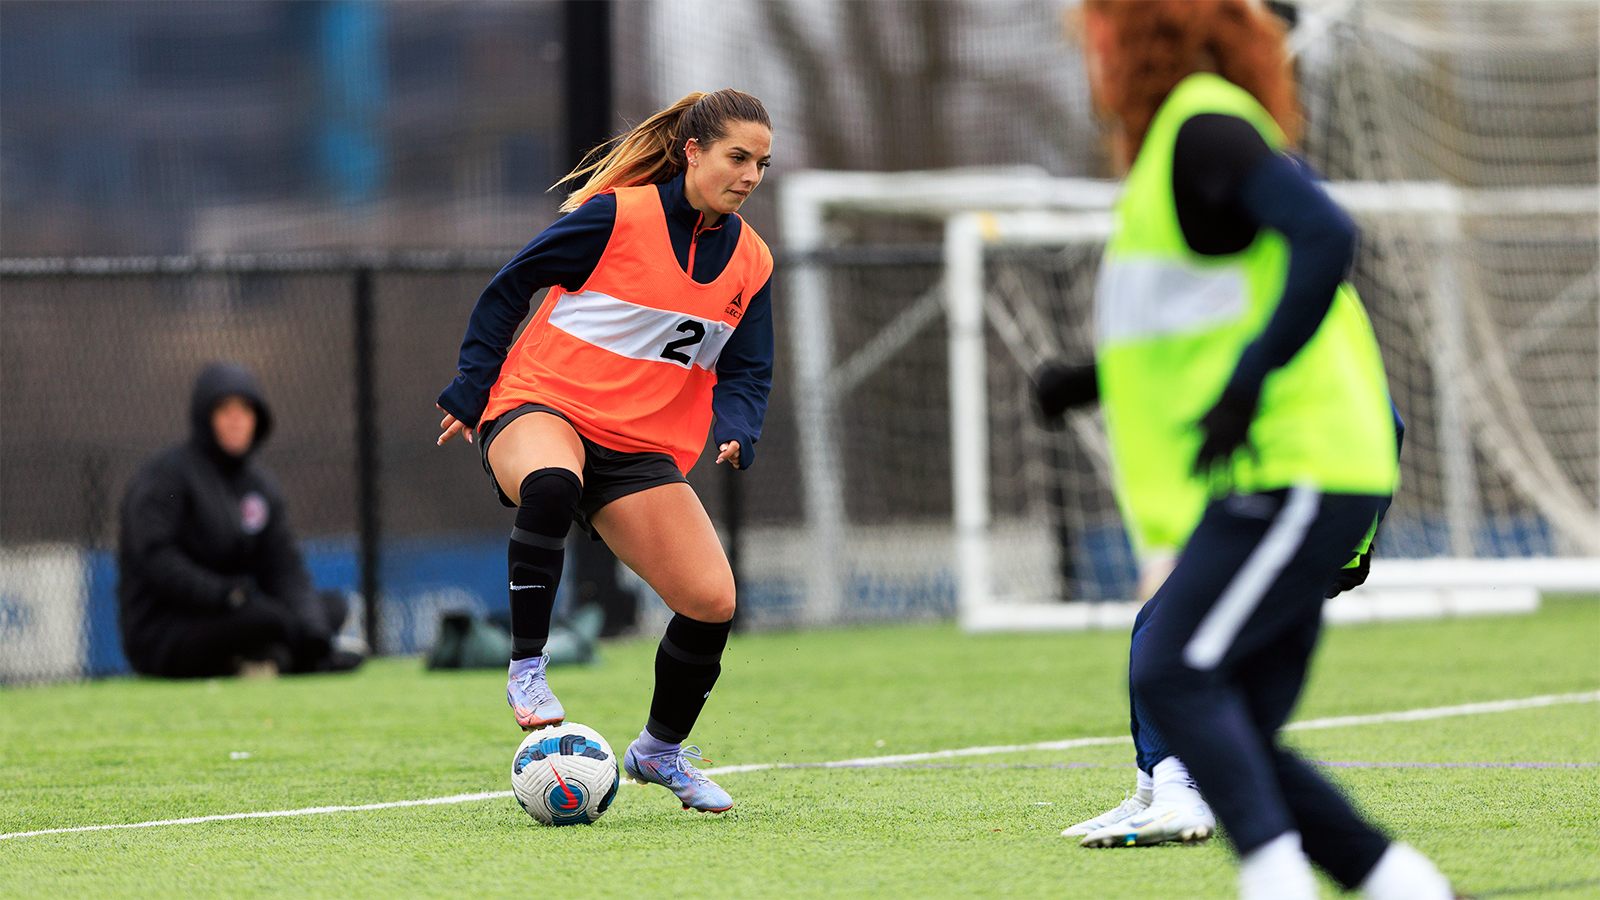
<point x="687" y="665"/>
<point x="538" y="547"/>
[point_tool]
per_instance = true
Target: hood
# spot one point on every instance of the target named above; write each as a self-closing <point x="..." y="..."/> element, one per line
<point x="217" y="381"/>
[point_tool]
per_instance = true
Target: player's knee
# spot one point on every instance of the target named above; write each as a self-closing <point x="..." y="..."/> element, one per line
<point x="548" y="498"/>
<point x="722" y="607"/>
<point x="713" y="602"/>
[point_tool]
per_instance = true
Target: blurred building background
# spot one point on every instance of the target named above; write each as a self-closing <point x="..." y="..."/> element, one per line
<point x="139" y="128"/>
<point x="172" y="127"/>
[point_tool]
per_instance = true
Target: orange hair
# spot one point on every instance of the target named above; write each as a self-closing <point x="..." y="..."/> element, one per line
<point x="1158" y="43"/>
<point x="652" y="153"/>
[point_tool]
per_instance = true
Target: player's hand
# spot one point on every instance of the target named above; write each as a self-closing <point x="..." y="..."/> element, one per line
<point x="1057" y="387"/>
<point x="1226" y="428"/>
<point x="451" y="427"/>
<point x="729" y="451"/>
<point x="1350" y="577"/>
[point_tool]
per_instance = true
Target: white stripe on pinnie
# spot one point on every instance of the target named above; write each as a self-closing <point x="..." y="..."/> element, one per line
<point x="641" y="332"/>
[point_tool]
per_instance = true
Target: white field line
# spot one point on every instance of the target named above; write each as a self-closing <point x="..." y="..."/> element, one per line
<point x="1410" y="715"/>
<point x="273" y="814"/>
<point x="1441" y="712"/>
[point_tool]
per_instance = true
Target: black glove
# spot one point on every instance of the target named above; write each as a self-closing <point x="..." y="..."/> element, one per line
<point x="1058" y="387"/>
<point x="1226" y="428"/>
<point x="1349" y="578"/>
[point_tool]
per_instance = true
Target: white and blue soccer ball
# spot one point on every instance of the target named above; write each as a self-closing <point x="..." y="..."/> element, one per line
<point x="565" y="774"/>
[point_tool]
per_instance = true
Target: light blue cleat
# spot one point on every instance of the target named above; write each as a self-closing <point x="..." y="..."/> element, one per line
<point x="678" y="775"/>
<point x="530" y="697"/>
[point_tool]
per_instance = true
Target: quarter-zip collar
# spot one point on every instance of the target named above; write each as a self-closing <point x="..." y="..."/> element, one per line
<point x="676" y="203"/>
<point x="678" y="208"/>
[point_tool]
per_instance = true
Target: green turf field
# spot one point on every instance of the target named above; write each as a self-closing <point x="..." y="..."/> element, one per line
<point x="127" y="751"/>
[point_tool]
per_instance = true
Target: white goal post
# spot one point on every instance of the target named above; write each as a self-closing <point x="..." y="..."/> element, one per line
<point x="1476" y="422"/>
<point x="806" y="199"/>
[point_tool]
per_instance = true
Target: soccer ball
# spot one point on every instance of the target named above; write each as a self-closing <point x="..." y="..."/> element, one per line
<point x="565" y="775"/>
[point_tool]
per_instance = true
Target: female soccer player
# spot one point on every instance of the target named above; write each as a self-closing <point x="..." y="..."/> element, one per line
<point x="1164" y="805"/>
<point x="658" y="319"/>
<point x="1246" y="408"/>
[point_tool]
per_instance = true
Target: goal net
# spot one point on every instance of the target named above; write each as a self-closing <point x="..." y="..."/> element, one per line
<point x="1463" y="141"/>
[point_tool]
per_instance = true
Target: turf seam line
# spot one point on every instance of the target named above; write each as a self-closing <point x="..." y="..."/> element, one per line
<point x="1315" y="762"/>
<point x="1456" y="765"/>
<point x="870" y="761"/>
<point x="1411" y="715"/>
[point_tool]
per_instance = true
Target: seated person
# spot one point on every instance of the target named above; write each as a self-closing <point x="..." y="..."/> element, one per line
<point x="211" y="577"/>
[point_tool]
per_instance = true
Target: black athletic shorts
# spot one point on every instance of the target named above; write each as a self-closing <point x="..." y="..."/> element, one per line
<point x="607" y="473"/>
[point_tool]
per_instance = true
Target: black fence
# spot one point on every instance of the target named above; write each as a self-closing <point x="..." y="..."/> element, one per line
<point x="99" y="357"/>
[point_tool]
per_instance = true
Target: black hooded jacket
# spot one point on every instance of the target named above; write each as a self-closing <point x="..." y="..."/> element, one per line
<point x="198" y="523"/>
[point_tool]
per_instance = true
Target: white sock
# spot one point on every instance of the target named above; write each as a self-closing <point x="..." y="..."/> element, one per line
<point x="650" y="745"/>
<point x="1146" y="788"/>
<point x="1172" y="786"/>
<point x="1277" y="870"/>
<point x="1404" y="874"/>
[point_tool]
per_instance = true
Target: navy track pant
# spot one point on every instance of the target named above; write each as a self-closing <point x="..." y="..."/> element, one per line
<point x="1222" y="658"/>
<point x="1150" y="746"/>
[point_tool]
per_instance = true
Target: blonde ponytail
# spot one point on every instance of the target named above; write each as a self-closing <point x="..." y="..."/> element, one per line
<point x="652" y="153"/>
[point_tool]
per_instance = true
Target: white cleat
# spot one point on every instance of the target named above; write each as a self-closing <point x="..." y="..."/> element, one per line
<point x="1158" y="824"/>
<point x="1128" y="807"/>
<point x="1402" y="873"/>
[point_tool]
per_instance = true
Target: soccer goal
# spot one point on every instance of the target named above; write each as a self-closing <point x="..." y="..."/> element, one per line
<point x="1462" y="137"/>
<point x="1503" y="421"/>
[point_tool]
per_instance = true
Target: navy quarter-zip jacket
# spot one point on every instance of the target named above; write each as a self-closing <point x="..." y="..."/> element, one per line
<point x="566" y="254"/>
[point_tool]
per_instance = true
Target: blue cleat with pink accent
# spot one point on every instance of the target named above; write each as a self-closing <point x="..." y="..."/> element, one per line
<point x="529" y="695"/>
<point x="675" y="773"/>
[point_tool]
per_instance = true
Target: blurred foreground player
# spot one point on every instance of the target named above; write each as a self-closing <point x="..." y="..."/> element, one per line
<point x="658" y="320"/>
<point x="1164" y="806"/>
<point x="1241" y="383"/>
<point x="211" y="578"/>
